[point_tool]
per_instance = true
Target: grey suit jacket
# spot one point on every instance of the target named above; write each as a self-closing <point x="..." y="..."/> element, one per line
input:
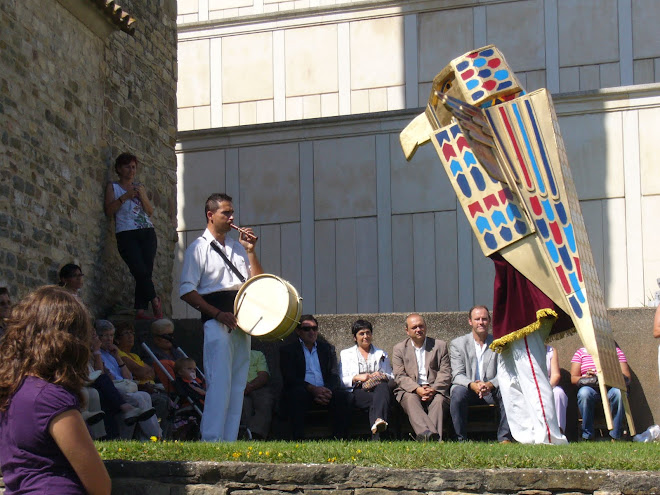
<point x="404" y="365"/>
<point x="464" y="361"/>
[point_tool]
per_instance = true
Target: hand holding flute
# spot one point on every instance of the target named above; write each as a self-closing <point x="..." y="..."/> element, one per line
<point x="246" y="234"/>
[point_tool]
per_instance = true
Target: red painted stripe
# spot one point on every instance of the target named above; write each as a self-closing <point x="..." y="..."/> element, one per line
<point x="564" y="280"/>
<point x="578" y="267"/>
<point x="512" y="137"/>
<point x="538" y="391"/>
<point x="491" y="201"/>
<point x="461" y="143"/>
<point x="536" y="205"/>
<point x="556" y="233"/>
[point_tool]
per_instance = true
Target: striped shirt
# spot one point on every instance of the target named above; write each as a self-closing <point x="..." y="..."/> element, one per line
<point x="586" y="362"/>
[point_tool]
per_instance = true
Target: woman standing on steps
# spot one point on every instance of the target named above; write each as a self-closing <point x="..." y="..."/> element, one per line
<point x="126" y="200"/>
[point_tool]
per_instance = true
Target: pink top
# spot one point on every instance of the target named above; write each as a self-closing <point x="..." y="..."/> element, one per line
<point x="587" y="362"/>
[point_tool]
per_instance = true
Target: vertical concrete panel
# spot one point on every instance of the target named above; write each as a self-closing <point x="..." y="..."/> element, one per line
<point x="344" y="69"/>
<point x="618" y="276"/>
<point x="424" y="257"/>
<point x="384" y="206"/>
<point x="588" y="32"/>
<point x="199" y="175"/>
<point x="249" y="59"/>
<point x="446" y="261"/>
<point x="270" y="188"/>
<point x="651" y="239"/>
<point x="644" y="18"/>
<point x="403" y="282"/>
<point x="311" y="60"/>
<point x="179" y="308"/>
<point x="194" y="78"/>
<point x="325" y="264"/>
<point x="373" y="41"/>
<point x="443" y="36"/>
<point x="271" y="249"/>
<point x="626" y="41"/>
<point x="410" y="52"/>
<point x="649" y="123"/>
<point x="551" y="45"/>
<point x="346" y="261"/>
<point x="307" y="225"/>
<point x="279" y="77"/>
<point x="215" y="62"/>
<point x="465" y="263"/>
<point x="345" y="174"/>
<point x="483" y="277"/>
<point x="291" y="258"/>
<point x="592" y="211"/>
<point x="367" y="260"/>
<point x="517" y="30"/>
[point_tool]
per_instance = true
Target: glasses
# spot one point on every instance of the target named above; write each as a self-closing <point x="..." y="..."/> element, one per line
<point x="77" y="275"/>
<point x="309" y="328"/>
<point x="228" y="213"/>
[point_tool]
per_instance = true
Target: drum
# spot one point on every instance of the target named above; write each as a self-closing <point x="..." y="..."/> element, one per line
<point x="267" y="307"/>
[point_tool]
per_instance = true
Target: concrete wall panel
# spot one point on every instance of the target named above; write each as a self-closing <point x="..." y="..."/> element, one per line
<point x="311" y="60"/>
<point x="649" y="123"/>
<point x="198" y="176"/>
<point x="249" y="60"/>
<point x="518" y="31"/>
<point x="345" y="177"/>
<point x="270" y="185"/>
<point x="194" y="80"/>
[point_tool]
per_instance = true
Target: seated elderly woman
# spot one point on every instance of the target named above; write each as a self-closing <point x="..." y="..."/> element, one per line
<point x="583" y="370"/>
<point x="142" y="373"/>
<point x="367" y="371"/>
<point x="113" y="365"/>
<point x="162" y="347"/>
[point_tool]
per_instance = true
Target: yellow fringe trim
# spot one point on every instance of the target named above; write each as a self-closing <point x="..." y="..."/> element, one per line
<point x="545" y="318"/>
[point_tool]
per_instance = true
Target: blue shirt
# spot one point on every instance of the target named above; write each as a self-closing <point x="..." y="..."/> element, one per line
<point x="313" y="373"/>
<point x="111" y="363"/>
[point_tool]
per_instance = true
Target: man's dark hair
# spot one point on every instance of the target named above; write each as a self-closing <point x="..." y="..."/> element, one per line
<point x="479" y="306"/>
<point x="308" y="318"/>
<point x="361" y="325"/>
<point x="213" y="202"/>
<point x="125" y="159"/>
<point x="68" y="271"/>
<point x="3" y="291"/>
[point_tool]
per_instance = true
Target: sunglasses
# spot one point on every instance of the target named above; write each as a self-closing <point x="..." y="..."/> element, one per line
<point x="309" y="328"/>
<point x="166" y="336"/>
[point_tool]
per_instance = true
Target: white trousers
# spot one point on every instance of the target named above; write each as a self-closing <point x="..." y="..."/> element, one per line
<point x="149" y="427"/>
<point x="226" y="365"/>
<point x="526" y="392"/>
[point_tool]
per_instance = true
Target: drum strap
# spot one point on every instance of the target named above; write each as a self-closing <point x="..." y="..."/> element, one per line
<point x="227" y="262"/>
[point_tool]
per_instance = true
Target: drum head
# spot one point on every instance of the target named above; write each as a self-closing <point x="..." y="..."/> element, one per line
<point x="262" y="305"/>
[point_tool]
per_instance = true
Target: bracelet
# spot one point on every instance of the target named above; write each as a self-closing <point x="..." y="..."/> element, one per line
<point x="216" y="315"/>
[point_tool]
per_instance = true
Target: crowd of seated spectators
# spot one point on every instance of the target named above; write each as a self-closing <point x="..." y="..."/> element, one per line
<point x="135" y="391"/>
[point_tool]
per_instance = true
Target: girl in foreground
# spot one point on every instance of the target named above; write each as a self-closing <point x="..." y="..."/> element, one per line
<point x="44" y="444"/>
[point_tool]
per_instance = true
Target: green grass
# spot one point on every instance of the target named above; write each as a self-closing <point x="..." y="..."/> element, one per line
<point x="592" y="455"/>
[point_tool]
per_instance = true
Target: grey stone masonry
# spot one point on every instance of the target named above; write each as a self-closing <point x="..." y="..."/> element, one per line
<point x="174" y="478"/>
<point x="71" y="100"/>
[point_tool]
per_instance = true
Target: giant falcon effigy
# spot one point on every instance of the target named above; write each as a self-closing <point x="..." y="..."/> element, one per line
<point x="505" y="158"/>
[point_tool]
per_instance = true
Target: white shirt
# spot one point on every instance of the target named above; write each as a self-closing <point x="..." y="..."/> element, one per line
<point x="479" y="351"/>
<point x="313" y="373"/>
<point x="420" y="355"/>
<point x="205" y="271"/>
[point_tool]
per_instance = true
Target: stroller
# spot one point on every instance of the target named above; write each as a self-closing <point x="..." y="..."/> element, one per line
<point x="186" y="414"/>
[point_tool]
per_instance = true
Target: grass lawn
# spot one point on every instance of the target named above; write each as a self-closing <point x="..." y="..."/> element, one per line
<point x="585" y="455"/>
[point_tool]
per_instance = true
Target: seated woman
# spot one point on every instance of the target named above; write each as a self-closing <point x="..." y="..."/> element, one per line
<point x="582" y="366"/>
<point x="71" y="278"/>
<point x="142" y="373"/>
<point x="113" y="365"/>
<point x="561" y="399"/>
<point x="367" y="371"/>
<point x="44" y="443"/>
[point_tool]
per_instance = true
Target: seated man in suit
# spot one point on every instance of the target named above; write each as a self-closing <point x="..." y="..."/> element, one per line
<point x="423" y="375"/>
<point x="309" y="376"/>
<point x="474" y="374"/>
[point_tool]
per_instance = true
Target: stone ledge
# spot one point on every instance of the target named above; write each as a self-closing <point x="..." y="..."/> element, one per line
<point x="243" y="478"/>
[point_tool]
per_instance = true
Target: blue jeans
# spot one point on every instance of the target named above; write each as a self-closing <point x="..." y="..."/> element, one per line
<point x="587" y="399"/>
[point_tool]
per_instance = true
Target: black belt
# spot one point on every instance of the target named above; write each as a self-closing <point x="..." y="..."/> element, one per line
<point x="223" y="300"/>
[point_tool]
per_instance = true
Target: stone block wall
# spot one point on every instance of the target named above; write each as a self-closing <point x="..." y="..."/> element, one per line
<point x="71" y="100"/>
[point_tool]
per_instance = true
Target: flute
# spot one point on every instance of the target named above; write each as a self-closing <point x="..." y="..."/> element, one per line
<point x="250" y="236"/>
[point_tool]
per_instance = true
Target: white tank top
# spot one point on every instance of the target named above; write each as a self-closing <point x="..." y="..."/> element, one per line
<point x="131" y="215"/>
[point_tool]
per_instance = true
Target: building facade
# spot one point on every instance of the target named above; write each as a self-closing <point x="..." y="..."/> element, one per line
<point x="294" y="108"/>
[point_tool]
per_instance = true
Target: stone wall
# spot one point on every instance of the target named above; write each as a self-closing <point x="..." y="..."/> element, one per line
<point x="211" y="478"/>
<point x="71" y="101"/>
